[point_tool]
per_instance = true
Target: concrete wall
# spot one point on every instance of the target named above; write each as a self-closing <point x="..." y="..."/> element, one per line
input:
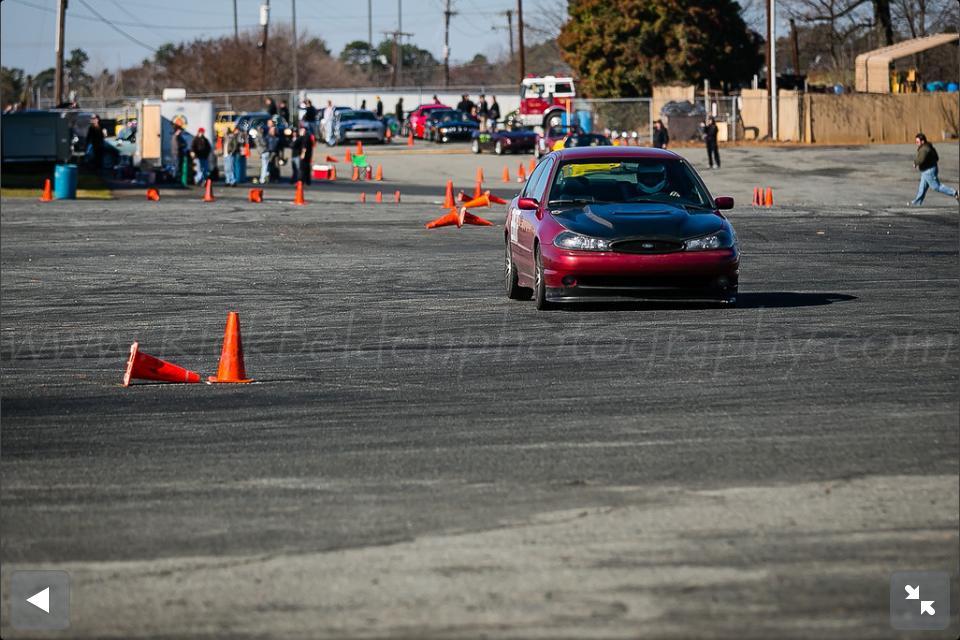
<point x="893" y="118"/>
<point x="789" y="114"/>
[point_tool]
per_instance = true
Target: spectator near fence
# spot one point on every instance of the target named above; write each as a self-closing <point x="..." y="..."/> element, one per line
<point x="302" y="154"/>
<point x="379" y="108"/>
<point x="661" y="137"/>
<point x="95" y="143"/>
<point x="493" y="114"/>
<point x="178" y="149"/>
<point x="200" y="150"/>
<point x="231" y="156"/>
<point x="710" y="139"/>
<point x="926" y="163"/>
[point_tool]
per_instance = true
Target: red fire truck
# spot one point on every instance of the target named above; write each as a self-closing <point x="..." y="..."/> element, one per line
<point x="543" y="100"/>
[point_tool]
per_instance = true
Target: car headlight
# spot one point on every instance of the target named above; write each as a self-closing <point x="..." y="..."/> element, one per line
<point x="443" y="129"/>
<point x="575" y="241"/>
<point x="718" y="240"/>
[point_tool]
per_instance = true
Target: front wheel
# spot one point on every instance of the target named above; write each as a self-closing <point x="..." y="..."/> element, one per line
<point x="540" y="285"/>
<point x="511" y="279"/>
<point x="498" y="148"/>
<point x="475" y="147"/>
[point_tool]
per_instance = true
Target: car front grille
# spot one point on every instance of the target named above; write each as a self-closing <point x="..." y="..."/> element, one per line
<point x="647" y="246"/>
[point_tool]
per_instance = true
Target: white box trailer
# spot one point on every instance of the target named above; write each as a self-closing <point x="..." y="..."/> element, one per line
<point x="156" y="119"/>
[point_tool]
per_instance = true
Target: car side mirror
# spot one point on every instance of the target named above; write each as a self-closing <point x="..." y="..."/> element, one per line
<point x="724" y="202"/>
<point x="527" y="204"/>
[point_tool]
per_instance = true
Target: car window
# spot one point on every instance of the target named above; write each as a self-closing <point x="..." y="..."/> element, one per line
<point x="633" y="180"/>
<point x="563" y="87"/>
<point x="532" y="180"/>
<point x="537" y="182"/>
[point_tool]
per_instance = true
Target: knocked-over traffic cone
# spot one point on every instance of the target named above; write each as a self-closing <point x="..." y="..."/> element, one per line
<point x="231" y="367"/>
<point x="363" y="198"/>
<point x="494" y="199"/>
<point x="208" y="195"/>
<point x="153" y="194"/>
<point x="356" y="174"/>
<point x="331" y="159"/>
<point x="396" y="196"/>
<point x="462" y="197"/>
<point x="521" y="173"/>
<point x="47" y="191"/>
<point x="506" y="174"/>
<point x="359" y="148"/>
<point x="298" y="196"/>
<point x="448" y="198"/>
<point x="768" y="200"/>
<point x="410" y="140"/>
<point x="379" y="176"/>
<point x="450" y="218"/>
<point x="480" y="201"/>
<point x="142" y="366"/>
<point x="378" y="198"/>
<point x="347" y="157"/>
<point x="256" y="195"/>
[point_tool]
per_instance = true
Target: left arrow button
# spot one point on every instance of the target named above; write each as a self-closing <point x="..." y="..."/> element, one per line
<point x="41" y="600"/>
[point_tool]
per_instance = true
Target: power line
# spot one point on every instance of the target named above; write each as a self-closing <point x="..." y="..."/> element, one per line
<point x="121" y="23"/>
<point x="116" y="28"/>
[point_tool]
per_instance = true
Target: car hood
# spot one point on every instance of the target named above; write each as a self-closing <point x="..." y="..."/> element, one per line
<point x="630" y="220"/>
<point x="455" y="123"/>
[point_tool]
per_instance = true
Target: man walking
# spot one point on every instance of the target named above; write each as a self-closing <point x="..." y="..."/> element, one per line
<point x="661" y="137"/>
<point x="926" y="163"/>
<point x="231" y="153"/>
<point x="200" y="150"/>
<point x="710" y="138"/>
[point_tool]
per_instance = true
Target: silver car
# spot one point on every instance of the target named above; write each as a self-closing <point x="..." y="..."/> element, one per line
<point x="356" y="124"/>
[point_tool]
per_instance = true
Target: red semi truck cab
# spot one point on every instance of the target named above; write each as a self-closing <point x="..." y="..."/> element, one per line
<point x="543" y="100"/>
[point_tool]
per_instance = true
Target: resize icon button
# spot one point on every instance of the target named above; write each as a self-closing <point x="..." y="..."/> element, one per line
<point x="919" y="600"/>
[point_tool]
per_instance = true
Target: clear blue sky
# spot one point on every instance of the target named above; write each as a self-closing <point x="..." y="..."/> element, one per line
<point x="27" y="26"/>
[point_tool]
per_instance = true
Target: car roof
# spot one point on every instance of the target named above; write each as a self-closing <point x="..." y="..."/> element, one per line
<point x="586" y="153"/>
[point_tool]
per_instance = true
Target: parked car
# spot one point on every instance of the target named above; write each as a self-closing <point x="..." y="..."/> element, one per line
<point x="506" y="141"/>
<point x="609" y="223"/>
<point x="416" y="119"/>
<point x="222" y="122"/>
<point x="567" y="137"/>
<point x="356" y="124"/>
<point x="444" y="125"/>
<point x="258" y="120"/>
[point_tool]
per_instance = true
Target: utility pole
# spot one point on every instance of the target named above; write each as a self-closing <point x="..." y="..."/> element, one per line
<point x="296" y="71"/>
<point x="396" y="35"/>
<point x="446" y="43"/>
<point x="265" y="25"/>
<point x="370" y="37"/>
<point x="510" y="32"/>
<point x="58" y="79"/>
<point x="399" y="45"/>
<point x="796" y="47"/>
<point x="523" y="60"/>
<point x="236" y="28"/>
<point x="772" y="75"/>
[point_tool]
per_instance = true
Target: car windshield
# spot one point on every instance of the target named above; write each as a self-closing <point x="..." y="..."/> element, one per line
<point x="587" y="140"/>
<point x="635" y="180"/>
<point x="446" y="115"/>
<point x="357" y="115"/>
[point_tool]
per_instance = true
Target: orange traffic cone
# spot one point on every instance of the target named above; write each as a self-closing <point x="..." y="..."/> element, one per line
<point x="388" y="135"/>
<point x="448" y="198"/>
<point x="359" y="148"/>
<point x="146" y="367"/>
<point x="396" y="196"/>
<point x="521" y="174"/>
<point x="447" y="219"/>
<point x="478" y="189"/>
<point x="47" y="192"/>
<point x="506" y="174"/>
<point x="768" y="201"/>
<point x="410" y="140"/>
<point x="356" y="174"/>
<point x="298" y="196"/>
<point x="219" y="145"/>
<point x="246" y="149"/>
<point x="480" y="201"/>
<point x="231" y="367"/>
<point x="532" y="166"/>
<point x="379" y="176"/>
<point x="331" y="159"/>
<point x="494" y="199"/>
<point x="378" y="198"/>
<point x="333" y="172"/>
<point x="347" y="157"/>
<point x="756" y="197"/>
<point x="256" y="195"/>
<point x="462" y="197"/>
<point x="479" y="177"/>
<point x="153" y="194"/>
<point x="208" y="195"/>
<point x="469" y="218"/>
<point x="363" y="198"/>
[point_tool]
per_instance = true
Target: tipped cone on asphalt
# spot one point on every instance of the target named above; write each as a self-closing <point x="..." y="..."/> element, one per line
<point x="448" y="219"/>
<point x="208" y="194"/>
<point x="448" y="198"/>
<point x="378" y="198"/>
<point x="298" y="196"/>
<point x="255" y="195"/>
<point x="142" y="366"/>
<point x="379" y="175"/>
<point x="481" y="201"/>
<point x="331" y="159"/>
<point x="462" y="197"/>
<point x="506" y="174"/>
<point x="231" y="367"/>
<point x="768" y="200"/>
<point x="153" y="195"/>
<point x="494" y="199"/>
<point x="469" y="218"/>
<point x="47" y="191"/>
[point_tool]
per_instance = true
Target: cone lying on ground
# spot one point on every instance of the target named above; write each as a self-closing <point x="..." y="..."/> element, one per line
<point x="142" y="366"/>
<point x="768" y="200"/>
<point x="256" y="195"/>
<point x="298" y="196"/>
<point x="153" y="195"/>
<point x="521" y="173"/>
<point x="482" y="200"/>
<point x="208" y="194"/>
<point x="47" y="191"/>
<point x="331" y="159"/>
<point x="458" y="217"/>
<point x="347" y="157"/>
<point x="506" y="174"/>
<point x="462" y="197"/>
<point x="231" y="367"/>
<point x="379" y="175"/>
<point x="494" y="199"/>
<point x="448" y="197"/>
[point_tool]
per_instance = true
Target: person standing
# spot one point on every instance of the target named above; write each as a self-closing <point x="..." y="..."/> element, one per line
<point x="310" y="116"/>
<point x="483" y="111"/>
<point x="95" y="138"/>
<point x="231" y="152"/>
<point x="284" y="111"/>
<point x="926" y="162"/>
<point x="710" y="138"/>
<point x="661" y="137"/>
<point x="302" y="154"/>
<point x="271" y="106"/>
<point x="399" y="110"/>
<point x="465" y="105"/>
<point x="200" y="150"/>
<point x="363" y="105"/>
<point x="178" y="149"/>
<point x="327" y="122"/>
<point x="379" y="108"/>
<point x="295" y="156"/>
<point x="494" y="113"/>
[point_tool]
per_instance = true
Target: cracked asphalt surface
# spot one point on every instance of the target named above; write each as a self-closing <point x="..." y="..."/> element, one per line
<point x="421" y="457"/>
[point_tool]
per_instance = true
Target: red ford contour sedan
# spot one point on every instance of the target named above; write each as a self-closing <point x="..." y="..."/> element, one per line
<point x="615" y="223"/>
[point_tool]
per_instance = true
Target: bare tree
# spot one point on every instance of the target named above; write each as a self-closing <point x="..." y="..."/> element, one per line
<point x="842" y="22"/>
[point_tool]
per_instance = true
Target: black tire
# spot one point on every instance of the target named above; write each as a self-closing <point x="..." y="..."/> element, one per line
<point x="511" y="279"/>
<point x="475" y="147"/>
<point x="540" y="285"/>
<point x="498" y="148"/>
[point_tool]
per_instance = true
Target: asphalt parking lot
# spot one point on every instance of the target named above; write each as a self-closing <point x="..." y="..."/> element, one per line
<point x="421" y="457"/>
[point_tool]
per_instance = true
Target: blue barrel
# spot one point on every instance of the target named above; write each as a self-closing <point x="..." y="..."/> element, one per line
<point x="65" y="182"/>
<point x="952" y="87"/>
<point x="585" y="120"/>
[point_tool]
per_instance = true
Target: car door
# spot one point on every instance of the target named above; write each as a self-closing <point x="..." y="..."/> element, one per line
<point x="523" y="223"/>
